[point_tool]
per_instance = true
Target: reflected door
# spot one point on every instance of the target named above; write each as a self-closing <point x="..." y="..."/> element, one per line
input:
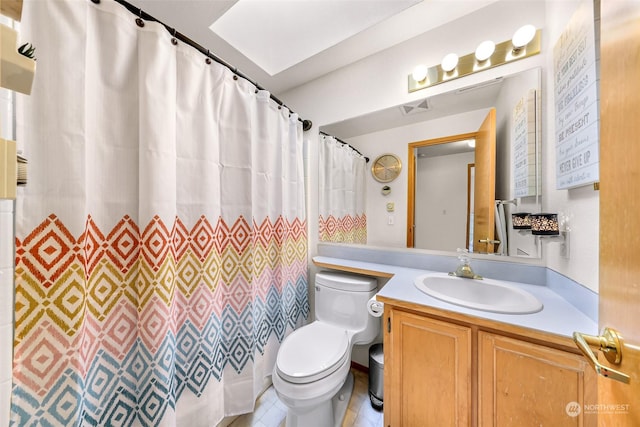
<point x="485" y="186"/>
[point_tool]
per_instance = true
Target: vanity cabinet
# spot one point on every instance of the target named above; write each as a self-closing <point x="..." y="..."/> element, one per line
<point x="457" y="371"/>
<point x="427" y="378"/>
<point x="521" y="384"/>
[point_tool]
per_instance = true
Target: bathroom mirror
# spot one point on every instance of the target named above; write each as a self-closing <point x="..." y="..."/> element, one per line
<point x="446" y="115"/>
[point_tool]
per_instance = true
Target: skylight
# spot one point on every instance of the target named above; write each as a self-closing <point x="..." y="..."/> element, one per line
<point x="277" y="34"/>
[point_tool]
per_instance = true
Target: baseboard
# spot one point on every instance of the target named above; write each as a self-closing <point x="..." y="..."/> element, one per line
<point x="359" y="367"/>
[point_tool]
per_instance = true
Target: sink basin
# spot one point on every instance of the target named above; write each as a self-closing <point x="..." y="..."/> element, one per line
<point x="486" y="294"/>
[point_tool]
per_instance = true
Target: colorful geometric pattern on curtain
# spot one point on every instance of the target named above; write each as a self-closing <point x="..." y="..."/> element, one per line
<point x="342" y="174"/>
<point x="94" y="313"/>
<point x="345" y="229"/>
<point x="161" y="244"/>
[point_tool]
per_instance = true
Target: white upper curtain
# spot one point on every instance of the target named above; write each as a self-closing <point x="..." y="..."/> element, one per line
<point x="342" y="174"/>
<point x="161" y="247"/>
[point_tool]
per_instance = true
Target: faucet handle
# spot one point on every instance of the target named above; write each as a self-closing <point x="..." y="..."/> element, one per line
<point x="464" y="269"/>
<point x="463" y="255"/>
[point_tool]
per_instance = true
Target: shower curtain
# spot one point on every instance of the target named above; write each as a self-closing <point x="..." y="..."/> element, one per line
<point x="342" y="209"/>
<point x="161" y="241"/>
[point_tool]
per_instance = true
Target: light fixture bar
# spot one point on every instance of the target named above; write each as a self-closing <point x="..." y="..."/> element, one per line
<point x="467" y="64"/>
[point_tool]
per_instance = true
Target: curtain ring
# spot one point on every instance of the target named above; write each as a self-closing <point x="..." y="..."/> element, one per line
<point x="96" y="1"/>
<point x="139" y="20"/>
<point x="174" y="40"/>
<point x="307" y="124"/>
<point x="208" y="60"/>
<point x="235" y="77"/>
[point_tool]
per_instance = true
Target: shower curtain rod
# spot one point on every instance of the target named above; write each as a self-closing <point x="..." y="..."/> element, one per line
<point x="347" y="144"/>
<point x="141" y="14"/>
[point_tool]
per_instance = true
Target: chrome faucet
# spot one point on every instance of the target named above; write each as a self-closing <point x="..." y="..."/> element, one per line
<point x="464" y="269"/>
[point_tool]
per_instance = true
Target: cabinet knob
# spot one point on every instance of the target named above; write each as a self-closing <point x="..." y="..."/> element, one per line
<point x="610" y="344"/>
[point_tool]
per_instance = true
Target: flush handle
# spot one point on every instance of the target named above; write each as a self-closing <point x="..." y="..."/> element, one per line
<point x="610" y="344"/>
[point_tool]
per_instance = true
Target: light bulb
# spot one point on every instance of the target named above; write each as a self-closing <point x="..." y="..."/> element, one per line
<point x="523" y="36"/>
<point x="449" y="62"/>
<point x="485" y="50"/>
<point x="420" y="73"/>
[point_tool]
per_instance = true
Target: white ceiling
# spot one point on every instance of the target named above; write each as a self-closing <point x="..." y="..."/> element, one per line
<point x="193" y="18"/>
<point x="276" y="35"/>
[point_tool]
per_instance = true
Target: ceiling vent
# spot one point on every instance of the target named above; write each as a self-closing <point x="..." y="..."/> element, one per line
<point x="415" y="107"/>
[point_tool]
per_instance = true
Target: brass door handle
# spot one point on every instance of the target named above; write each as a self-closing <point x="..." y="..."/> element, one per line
<point x="489" y="241"/>
<point x="610" y="344"/>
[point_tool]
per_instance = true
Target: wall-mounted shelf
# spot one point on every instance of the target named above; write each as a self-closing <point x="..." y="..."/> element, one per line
<point x="16" y="70"/>
<point x="8" y="169"/>
<point x="11" y="8"/>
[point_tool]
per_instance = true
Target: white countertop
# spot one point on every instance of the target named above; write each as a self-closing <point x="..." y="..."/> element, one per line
<point x="558" y="315"/>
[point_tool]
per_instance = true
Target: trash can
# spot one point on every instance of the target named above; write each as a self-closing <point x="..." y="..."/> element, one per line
<point x="376" y="375"/>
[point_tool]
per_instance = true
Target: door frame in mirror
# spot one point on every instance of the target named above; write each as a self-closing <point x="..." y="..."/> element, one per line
<point x="411" y="172"/>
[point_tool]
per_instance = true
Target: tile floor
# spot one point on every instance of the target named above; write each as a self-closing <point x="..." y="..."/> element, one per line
<point x="270" y="412"/>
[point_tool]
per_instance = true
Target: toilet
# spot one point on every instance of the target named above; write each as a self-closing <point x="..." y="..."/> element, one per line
<point x="312" y="371"/>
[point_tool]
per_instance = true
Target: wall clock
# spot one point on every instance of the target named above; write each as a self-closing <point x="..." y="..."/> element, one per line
<point x="386" y="168"/>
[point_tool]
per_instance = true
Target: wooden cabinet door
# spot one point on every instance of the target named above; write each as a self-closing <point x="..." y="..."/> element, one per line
<point x="524" y="384"/>
<point x="428" y="372"/>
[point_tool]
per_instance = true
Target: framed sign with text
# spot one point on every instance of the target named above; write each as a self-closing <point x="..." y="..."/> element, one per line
<point x="525" y="149"/>
<point x="576" y="102"/>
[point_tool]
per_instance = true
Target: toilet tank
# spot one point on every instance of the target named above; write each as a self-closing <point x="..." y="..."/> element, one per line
<point x="341" y="300"/>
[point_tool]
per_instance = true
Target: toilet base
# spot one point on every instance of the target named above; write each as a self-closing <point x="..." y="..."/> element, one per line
<point x="341" y="401"/>
<point x="329" y="414"/>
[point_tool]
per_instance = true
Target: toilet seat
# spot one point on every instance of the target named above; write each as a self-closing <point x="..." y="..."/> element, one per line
<point x="312" y="352"/>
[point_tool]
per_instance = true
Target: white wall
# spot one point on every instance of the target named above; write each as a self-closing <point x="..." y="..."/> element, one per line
<point x="6" y="272"/>
<point x="441" y="201"/>
<point x="7" y="259"/>
<point x="395" y="140"/>
<point x="581" y="204"/>
<point x="380" y="81"/>
<point x="514" y="88"/>
<point x="6" y="307"/>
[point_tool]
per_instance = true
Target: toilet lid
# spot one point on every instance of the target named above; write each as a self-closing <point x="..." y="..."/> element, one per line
<point x="312" y="352"/>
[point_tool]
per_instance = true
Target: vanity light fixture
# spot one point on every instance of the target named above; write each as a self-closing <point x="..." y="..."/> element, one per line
<point x="449" y="62"/>
<point x="485" y="50"/>
<point x="487" y="55"/>
<point x="420" y="73"/>
<point x="522" y="37"/>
